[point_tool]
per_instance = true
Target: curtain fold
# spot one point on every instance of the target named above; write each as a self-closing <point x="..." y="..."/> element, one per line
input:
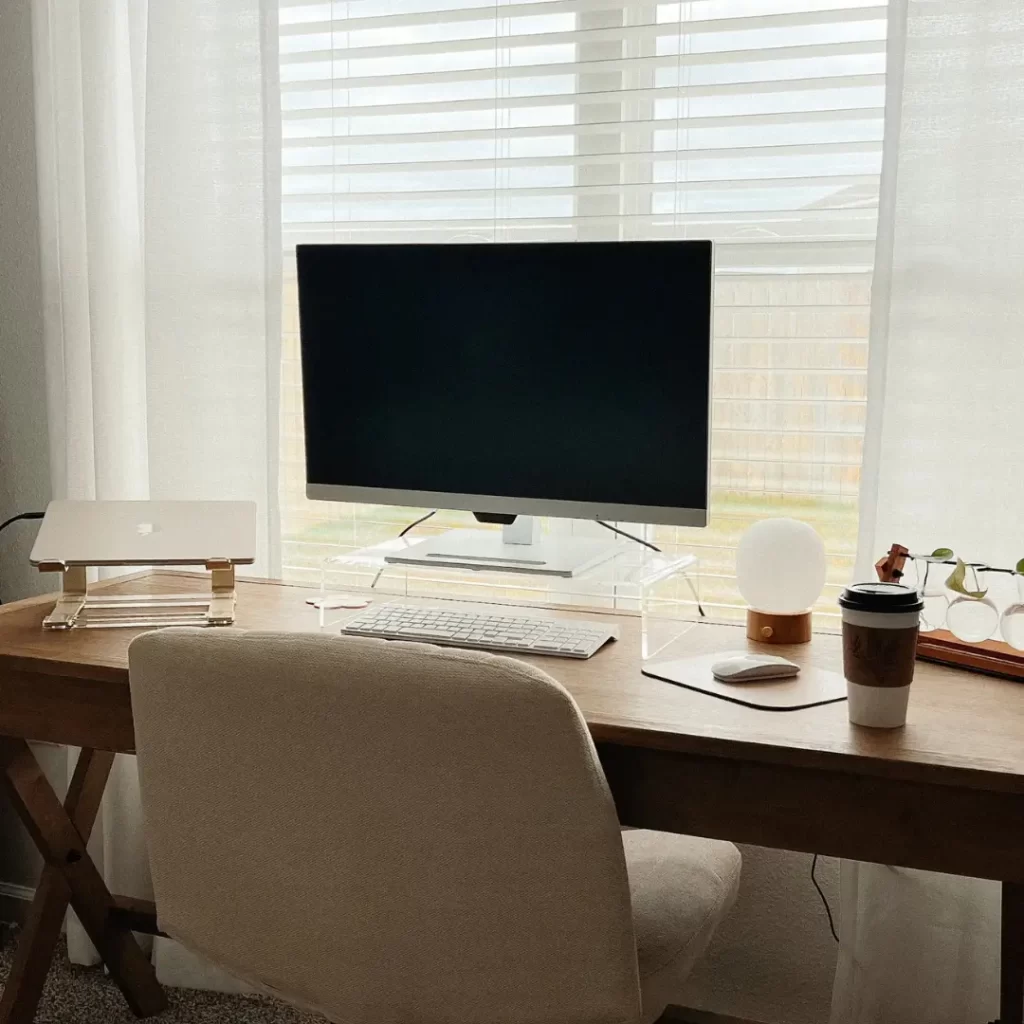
<point x="159" y="185"/>
<point x="943" y="447"/>
<point x="213" y="254"/>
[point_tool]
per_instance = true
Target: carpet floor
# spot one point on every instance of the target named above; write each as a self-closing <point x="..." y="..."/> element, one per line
<point x="85" y="995"/>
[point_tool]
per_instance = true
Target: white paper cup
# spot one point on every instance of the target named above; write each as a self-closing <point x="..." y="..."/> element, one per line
<point x="880" y="627"/>
<point x="880" y="707"/>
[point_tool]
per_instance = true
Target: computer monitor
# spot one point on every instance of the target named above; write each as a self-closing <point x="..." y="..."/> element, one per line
<point x="561" y="379"/>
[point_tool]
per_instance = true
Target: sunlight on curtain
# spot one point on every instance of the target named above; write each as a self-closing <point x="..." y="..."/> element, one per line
<point x="944" y="433"/>
<point x="158" y="159"/>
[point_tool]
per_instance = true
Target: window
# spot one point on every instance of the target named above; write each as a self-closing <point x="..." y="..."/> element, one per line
<point x="757" y="123"/>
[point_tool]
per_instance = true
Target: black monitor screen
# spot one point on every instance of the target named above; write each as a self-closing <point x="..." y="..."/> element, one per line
<point x="558" y="372"/>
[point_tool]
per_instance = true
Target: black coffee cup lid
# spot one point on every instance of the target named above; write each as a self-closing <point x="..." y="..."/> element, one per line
<point x="890" y="598"/>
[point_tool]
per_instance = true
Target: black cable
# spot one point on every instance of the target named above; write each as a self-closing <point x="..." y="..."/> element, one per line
<point x="422" y="519"/>
<point x="824" y="901"/>
<point x="629" y="536"/>
<point x="18" y="518"/>
<point x="23" y="515"/>
<point x="404" y="531"/>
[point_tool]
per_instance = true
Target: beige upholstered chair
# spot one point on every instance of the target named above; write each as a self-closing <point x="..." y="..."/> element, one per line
<point x="394" y="833"/>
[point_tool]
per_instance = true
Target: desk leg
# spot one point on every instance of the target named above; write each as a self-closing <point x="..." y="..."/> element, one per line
<point x="70" y="875"/>
<point x="1011" y="971"/>
<point x="42" y="929"/>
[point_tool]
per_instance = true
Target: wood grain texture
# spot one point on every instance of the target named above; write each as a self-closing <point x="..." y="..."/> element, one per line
<point x="963" y="729"/>
<point x="42" y="924"/>
<point x="63" y="848"/>
<point x="868" y="818"/>
<point x="993" y="657"/>
<point x="778" y="629"/>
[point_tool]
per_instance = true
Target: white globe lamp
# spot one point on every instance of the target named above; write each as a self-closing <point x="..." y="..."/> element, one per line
<point x="780" y="569"/>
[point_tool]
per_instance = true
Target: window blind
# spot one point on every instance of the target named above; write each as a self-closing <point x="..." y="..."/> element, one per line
<point x="757" y="123"/>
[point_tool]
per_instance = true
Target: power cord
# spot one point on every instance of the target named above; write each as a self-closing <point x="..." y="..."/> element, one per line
<point x="415" y="523"/>
<point x="402" y="533"/>
<point x="18" y="518"/>
<point x="628" y="536"/>
<point x="824" y="900"/>
<point x="654" y="547"/>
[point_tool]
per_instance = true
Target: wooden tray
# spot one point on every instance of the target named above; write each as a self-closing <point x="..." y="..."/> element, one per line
<point x="993" y="657"/>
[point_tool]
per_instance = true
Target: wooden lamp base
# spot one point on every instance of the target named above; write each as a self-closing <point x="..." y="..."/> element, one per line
<point x="772" y="628"/>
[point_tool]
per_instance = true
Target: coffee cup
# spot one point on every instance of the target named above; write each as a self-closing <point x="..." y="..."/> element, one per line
<point x="880" y="626"/>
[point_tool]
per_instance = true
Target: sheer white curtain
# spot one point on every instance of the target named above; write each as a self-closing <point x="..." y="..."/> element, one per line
<point x="942" y="464"/>
<point x="159" y="182"/>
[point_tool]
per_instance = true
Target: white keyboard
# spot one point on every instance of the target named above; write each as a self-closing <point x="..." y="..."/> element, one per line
<point x="482" y="630"/>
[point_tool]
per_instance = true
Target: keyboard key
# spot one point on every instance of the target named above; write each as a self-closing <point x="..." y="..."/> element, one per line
<point x="506" y="633"/>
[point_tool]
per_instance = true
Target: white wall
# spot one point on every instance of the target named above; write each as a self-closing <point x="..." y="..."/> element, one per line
<point x="24" y="467"/>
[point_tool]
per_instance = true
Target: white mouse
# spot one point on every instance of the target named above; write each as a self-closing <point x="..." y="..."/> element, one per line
<point x="744" y="667"/>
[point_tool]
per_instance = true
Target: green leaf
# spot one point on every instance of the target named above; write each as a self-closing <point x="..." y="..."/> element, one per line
<point x="946" y="553"/>
<point x="1020" y="567"/>
<point x="956" y="582"/>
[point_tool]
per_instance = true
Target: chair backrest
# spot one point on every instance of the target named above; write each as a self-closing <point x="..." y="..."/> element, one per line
<point x="384" y="832"/>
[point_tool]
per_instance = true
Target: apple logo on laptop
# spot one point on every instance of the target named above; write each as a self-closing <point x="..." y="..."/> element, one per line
<point x="145" y="529"/>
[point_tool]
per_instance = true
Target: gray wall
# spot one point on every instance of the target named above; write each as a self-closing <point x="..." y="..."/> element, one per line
<point x="24" y="455"/>
<point x="24" y="468"/>
<point x="774" y="958"/>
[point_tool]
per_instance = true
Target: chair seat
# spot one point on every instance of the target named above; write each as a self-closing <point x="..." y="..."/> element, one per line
<point x="681" y="888"/>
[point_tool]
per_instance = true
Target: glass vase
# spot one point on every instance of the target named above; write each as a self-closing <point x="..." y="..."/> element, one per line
<point x="1011" y="625"/>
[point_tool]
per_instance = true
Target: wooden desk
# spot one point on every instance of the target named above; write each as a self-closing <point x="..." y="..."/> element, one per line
<point x="945" y="793"/>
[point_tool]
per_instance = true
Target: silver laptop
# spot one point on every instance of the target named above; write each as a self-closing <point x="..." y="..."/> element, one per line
<point x="146" y="533"/>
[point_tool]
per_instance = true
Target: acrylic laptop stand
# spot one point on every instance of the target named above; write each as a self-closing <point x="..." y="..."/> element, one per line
<point x="79" y="535"/>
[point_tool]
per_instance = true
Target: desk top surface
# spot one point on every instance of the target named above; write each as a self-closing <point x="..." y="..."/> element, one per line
<point x="963" y="729"/>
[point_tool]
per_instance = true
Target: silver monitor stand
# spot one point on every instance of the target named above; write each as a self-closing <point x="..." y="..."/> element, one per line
<point x="518" y="548"/>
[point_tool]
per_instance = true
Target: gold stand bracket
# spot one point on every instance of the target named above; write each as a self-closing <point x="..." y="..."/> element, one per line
<point x="76" y="608"/>
<point x="221" y="611"/>
<point x="72" y="598"/>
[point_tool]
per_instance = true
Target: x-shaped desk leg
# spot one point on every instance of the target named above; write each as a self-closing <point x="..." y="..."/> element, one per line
<point x="60" y="833"/>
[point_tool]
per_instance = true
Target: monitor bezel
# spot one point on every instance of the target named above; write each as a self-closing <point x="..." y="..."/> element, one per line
<point x="558" y="507"/>
<point x="555" y="507"/>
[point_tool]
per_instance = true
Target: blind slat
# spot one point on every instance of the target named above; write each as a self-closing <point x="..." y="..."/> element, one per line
<point x="329" y="81"/>
<point x="441" y="49"/>
<point x="534" y="102"/>
<point x="615" y="188"/>
<point x="589" y="160"/>
<point x="427" y="136"/>
<point x="424" y="138"/>
<point x="658" y="225"/>
<point x="461" y="15"/>
<point x="561" y="100"/>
